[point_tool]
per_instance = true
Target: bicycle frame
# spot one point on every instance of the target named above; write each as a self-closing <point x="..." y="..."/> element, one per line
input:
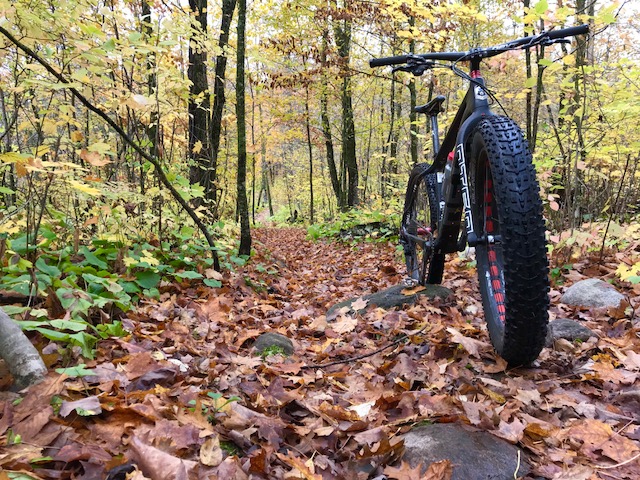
<point x="454" y="186"/>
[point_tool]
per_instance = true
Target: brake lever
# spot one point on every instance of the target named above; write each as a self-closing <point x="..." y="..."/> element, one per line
<point x="417" y="69"/>
<point x="548" y="41"/>
<point x="401" y="68"/>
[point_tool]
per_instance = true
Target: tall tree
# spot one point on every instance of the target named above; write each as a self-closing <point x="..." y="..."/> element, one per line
<point x="199" y="103"/>
<point x="152" y="83"/>
<point x="242" y="204"/>
<point x="413" y="116"/>
<point x="324" y="115"/>
<point x="310" y="146"/>
<point x="219" y="100"/>
<point x="348" y="158"/>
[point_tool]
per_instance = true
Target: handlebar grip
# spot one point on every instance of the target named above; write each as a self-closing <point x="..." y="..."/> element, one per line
<point x="381" y="62"/>
<point x="569" y="32"/>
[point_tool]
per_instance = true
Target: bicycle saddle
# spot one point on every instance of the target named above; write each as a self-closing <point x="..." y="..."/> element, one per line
<point x="434" y="107"/>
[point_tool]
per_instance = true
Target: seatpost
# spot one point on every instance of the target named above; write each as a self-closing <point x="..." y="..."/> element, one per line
<point x="434" y="133"/>
<point x="432" y="109"/>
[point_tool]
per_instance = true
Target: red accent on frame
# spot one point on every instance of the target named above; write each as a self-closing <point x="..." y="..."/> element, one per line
<point x="476" y="74"/>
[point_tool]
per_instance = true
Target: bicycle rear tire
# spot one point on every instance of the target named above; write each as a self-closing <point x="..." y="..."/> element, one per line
<point x="512" y="272"/>
<point x="420" y="219"/>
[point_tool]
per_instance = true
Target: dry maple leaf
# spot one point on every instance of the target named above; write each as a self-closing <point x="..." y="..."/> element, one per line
<point x="94" y="158"/>
<point x="471" y="345"/>
<point x="85" y="407"/>
<point x="345" y="325"/>
<point x="511" y="431"/>
<point x="155" y="463"/>
<point x="339" y="413"/>
<point x="359" y="304"/>
<point x="210" y="452"/>
<point x="412" y="291"/>
<point x="529" y="396"/>
<point x="598" y="436"/>
<point x="304" y="468"/>
<point x="441" y="470"/>
<point x="404" y="472"/>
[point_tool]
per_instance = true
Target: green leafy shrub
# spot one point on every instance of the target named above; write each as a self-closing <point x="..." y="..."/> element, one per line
<point x="92" y="288"/>
<point x="368" y="225"/>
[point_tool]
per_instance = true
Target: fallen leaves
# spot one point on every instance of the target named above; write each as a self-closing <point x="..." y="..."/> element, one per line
<point x="597" y="437"/>
<point x="471" y="345"/>
<point x="185" y="396"/>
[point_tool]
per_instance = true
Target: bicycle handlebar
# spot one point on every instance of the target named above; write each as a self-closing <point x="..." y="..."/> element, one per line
<point x="568" y="32"/>
<point x="484" y="52"/>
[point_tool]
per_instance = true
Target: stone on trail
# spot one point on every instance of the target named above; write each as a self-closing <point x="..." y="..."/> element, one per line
<point x="271" y="339"/>
<point x="568" y="330"/>
<point x="592" y="292"/>
<point x="473" y="455"/>
<point x="389" y="298"/>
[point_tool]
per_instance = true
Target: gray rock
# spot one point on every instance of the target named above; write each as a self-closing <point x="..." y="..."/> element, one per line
<point x="271" y="339"/>
<point x="592" y="293"/>
<point x="569" y="330"/>
<point x="390" y="298"/>
<point x="473" y="455"/>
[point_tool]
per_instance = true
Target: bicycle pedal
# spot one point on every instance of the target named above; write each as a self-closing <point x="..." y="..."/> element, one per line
<point x="409" y="282"/>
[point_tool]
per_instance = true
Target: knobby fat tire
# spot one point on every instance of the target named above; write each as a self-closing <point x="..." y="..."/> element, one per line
<point x="513" y="274"/>
<point x="421" y="199"/>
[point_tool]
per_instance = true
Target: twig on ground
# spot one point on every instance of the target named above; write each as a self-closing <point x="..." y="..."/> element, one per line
<point x="398" y="340"/>
<point x="608" y="467"/>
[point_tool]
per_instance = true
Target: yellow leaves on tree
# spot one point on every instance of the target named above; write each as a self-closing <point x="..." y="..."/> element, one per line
<point x="94" y="158"/>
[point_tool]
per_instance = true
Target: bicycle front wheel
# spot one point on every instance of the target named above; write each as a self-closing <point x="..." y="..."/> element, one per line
<point x="419" y="228"/>
<point x="512" y="262"/>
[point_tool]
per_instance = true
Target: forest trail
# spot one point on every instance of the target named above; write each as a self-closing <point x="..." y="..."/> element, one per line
<point x="186" y="396"/>
<point x="320" y="274"/>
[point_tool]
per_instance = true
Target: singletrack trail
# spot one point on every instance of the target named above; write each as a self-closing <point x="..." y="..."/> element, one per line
<point x="320" y="274"/>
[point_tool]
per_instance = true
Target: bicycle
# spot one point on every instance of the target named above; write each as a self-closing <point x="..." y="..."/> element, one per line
<point x="483" y="169"/>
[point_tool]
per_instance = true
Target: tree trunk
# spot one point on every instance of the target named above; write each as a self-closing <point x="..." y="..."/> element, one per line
<point x="413" y="116"/>
<point x="228" y="6"/>
<point x="310" y="144"/>
<point x="536" y="104"/>
<point x="21" y="357"/>
<point x="348" y="154"/>
<point x="265" y="165"/>
<point x="529" y="105"/>
<point x="152" y="83"/>
<point x="243" y="207"/>
<point x="199" y="146"/>
<point x="326" y="125"/>
<point x="389" y="148"/>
